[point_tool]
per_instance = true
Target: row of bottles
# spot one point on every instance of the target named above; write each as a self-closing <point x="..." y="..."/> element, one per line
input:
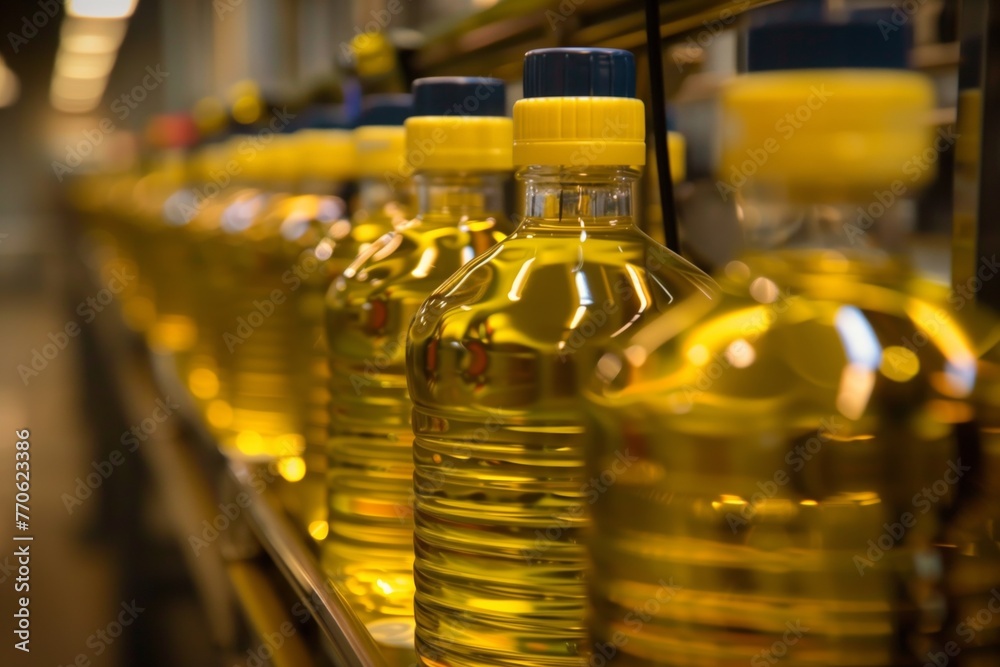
<point x="538" y="437"/>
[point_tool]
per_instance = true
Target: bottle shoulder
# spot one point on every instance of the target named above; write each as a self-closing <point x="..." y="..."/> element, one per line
<point x="544" y="286"/>
<point x="376" y="297"/>
<point x="827" y="338"/>
<point x="414" y="257"/>
<point x="519" y="328"/>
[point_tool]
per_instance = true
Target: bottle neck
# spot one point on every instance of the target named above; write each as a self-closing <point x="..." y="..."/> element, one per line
<point x="455" y="195"/>
<point x="376" y="193"/>
<point x="862" y="221"/>
<point x="574" y="197"/>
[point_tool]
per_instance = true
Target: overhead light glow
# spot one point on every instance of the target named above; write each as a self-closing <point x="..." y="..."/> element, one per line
<point x="92" y="35"/>
<point x="84" y="65"/>
<point x="77" y="89"/>
<point x="76" y="95"/>
<point x="67" y="105"/>
<point x="10" y="86"/>
<point x="101" y="9"/>
<point x="89" y="44"/>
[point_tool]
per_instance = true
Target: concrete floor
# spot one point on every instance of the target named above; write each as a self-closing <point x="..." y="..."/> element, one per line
<point x="73" y="584"/>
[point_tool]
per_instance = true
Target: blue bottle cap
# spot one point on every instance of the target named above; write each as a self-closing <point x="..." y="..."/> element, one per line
<point x="787" y="11"/>
<point x="459" y="95"/>
<point x="788" y="46"/>
<point x="385" y="109"/>
<point x="321" y="117"/>
<point x="579" y="72"/>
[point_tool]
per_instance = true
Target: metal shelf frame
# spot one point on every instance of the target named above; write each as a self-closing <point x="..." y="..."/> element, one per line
<point x="193" y="478"/>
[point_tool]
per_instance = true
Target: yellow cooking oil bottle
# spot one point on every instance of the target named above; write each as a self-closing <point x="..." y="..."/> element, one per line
<point x="162" y="173"/>
<point x="495" y="359"/>
<point x="377" y="144"/>
<point x="234" y="177"/>
<point x="652" y="223"/>
<point x="797" y="474"/>
<point x="216" y="183"/>
<point x="252" y="322"/>
<point x="320" y="242"/>
<point x="255" y="322"/>
<point x="312" y="172"/>
<point x="459" y="143"/>
<point x="167" y="247"/>
<point x="132" y="210"/>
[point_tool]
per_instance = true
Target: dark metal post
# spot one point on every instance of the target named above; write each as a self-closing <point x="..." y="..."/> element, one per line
<point x="977" y="151"/>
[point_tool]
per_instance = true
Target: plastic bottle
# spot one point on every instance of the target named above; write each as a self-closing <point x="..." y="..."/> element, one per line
<point x="494" y="362"/>
<point x="652" y="223"/>
<point x="377" y="142"/>
<point x="310" y="171"/>
<point x="217" y="182"/>
<point x="256" y="323"/>
<point x="459" y="141"/>
<point x="808" y="477"/>
<point x="167" y="249"/>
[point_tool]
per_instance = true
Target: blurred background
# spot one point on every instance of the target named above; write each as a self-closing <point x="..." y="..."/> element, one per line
<point x="82" y="82"/>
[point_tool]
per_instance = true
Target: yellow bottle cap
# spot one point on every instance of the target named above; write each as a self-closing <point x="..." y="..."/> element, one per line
<point x="381" y="150"/>
<point x="246" y="154"/>
<point x="281" y="158"/>
<point x="677" y="153"/>
<point x="246" y="101"/>
<point x="374" y="54"/>
<point x="579" y="131"/>
<point x="827" y="129"/>
<point x="459" y="123"/>
<point x="209" y="115"/>
<point x="466" y="143"/>
<point x="326" y="154"/>
<point x="579" y="109"/>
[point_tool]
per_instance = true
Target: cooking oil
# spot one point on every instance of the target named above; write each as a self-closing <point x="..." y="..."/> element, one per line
<point x="157" y="242"/>
<point x="277" y="244"/>
<point x="136" y="215"/>
<point x="217" y="183"/>
<point x="168" y="266"/>
<point x="459" y="141"/>
<point x="182" y="278"/>
<point x="265" y="233"/>
<point x="800" y="470"/>
<point x="495" y="359"/>
<point x="319" y="243"/>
